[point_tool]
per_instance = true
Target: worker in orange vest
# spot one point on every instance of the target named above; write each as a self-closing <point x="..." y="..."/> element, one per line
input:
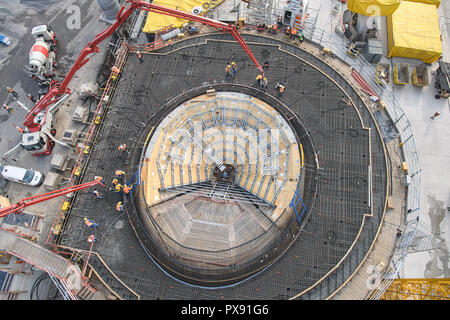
<point x="8" y="108"/>
<point x="20" y="129"/>
<point x="119" y="206"/>
<point x="90" y="223"/>
<point x="126" y="189"/>
<point x="10" y="90"/>
<point x="120" y="173"/>
<point x="274" y="29"/>
<point x="139" y="55"/>
<point x="280" y="87"/>
<point x="122" y="147"/>
<point x="293" y="33"/>
<point x="228" y="71"/>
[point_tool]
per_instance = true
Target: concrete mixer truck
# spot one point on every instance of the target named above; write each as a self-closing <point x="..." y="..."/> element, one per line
<point x="42" y="57"/>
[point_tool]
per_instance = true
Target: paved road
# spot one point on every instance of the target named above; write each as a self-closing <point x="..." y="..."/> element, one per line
<point x="17" y="17"/>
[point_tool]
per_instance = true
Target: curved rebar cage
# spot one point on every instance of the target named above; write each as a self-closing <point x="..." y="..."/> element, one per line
<point x="222" y="266"/>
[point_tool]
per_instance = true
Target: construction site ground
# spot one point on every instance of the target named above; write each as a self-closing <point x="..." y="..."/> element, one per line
<point x="418" y="103"/>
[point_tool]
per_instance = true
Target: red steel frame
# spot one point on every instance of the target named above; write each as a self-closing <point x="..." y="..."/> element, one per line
<point x="91" y="47"/>
<point x="26" y="202"/>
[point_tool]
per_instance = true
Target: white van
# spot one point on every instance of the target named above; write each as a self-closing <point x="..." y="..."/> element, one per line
<point x="28" y="177"/>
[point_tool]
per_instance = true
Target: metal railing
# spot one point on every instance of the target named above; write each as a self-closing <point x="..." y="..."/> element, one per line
<point x="339" y="46"/>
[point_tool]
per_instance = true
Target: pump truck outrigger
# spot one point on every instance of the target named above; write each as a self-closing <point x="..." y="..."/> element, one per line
<point x="39" y="137"/>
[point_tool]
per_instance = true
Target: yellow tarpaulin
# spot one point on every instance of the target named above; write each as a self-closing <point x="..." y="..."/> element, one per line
<point x="373" y="7"/>
<point x="435" y="2"/>
<point x="413" y="32"/>
<point x="156" y="21"/>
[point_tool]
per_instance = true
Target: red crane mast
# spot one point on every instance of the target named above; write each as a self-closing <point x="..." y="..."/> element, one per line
<point x="26" y="202"/>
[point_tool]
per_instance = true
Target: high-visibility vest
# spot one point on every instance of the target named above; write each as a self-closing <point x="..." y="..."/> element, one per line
<point x="282" y="88"/>
<point x="294" y="31"/>
<point x="115" y="182"/>
<point x="228" y="69"/>
<point x="122" y="147"/>
<point x="126" y="189"/>
<point x="119" y="206"/>
<point x="119" y="172"/>
<point x="259" y="77"/>
<point x="118" y="187"/>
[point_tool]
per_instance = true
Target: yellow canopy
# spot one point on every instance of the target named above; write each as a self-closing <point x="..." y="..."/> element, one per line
<point x="413" y="32"/>
<point x="435" y="2"/>
<point x="156" y="21"/>
<point x="373" y="7"/>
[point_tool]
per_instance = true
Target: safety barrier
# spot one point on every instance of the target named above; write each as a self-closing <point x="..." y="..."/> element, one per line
<point x="339" y="46"/>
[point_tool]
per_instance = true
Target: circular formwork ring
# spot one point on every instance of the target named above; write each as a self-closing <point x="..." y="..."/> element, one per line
<point x="153" y="242"/>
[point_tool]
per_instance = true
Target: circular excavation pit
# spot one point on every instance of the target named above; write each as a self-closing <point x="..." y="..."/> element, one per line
<point x="219" y="173"/>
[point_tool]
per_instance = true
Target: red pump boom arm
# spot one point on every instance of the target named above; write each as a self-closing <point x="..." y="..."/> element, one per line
<point x="122" y="16"/>
<point x="26" y="202"/>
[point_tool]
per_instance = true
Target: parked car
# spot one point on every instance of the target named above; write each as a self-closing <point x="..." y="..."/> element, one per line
<point x="5" y="40"/>
<point x="21" y="175"/>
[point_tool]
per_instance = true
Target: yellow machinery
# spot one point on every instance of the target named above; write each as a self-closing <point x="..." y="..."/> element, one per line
<point x="418" y="289"/>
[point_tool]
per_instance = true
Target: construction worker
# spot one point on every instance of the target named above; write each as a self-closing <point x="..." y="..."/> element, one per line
<point x="92" y="238"/>
<point x="264" y="84"/>
<point x="120" y="173"/>
<point x="31" y="98"/>
<point x="97" y="194"/>
<point x="280" y="88"/>
<point x="116" y="73"/>
<point x="90" y="223"/>
<point x="115" y="182"/>
<point x="126" y="189"/>
<point x="274" y="29"/>
<point x="234" y="67"/>
<point x="118" y="187"/>
<point x="119" y="207"/>
<point x="293" y="33"/>
<point x="259" y="80"/>
<point x="170" y="43"/>
<point x="301" y="38"/>
<point x="20" y="129"/>
<point x="8" y="108"/>
<point x="122" y="147"/>
<point x="288" y="32"/>
<point x="436" y="114"/>
<point x="348" y="103"/>
<point x="10" y="90"/>
<point x="228" y="71"/>
<point x="139" y="56"/>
